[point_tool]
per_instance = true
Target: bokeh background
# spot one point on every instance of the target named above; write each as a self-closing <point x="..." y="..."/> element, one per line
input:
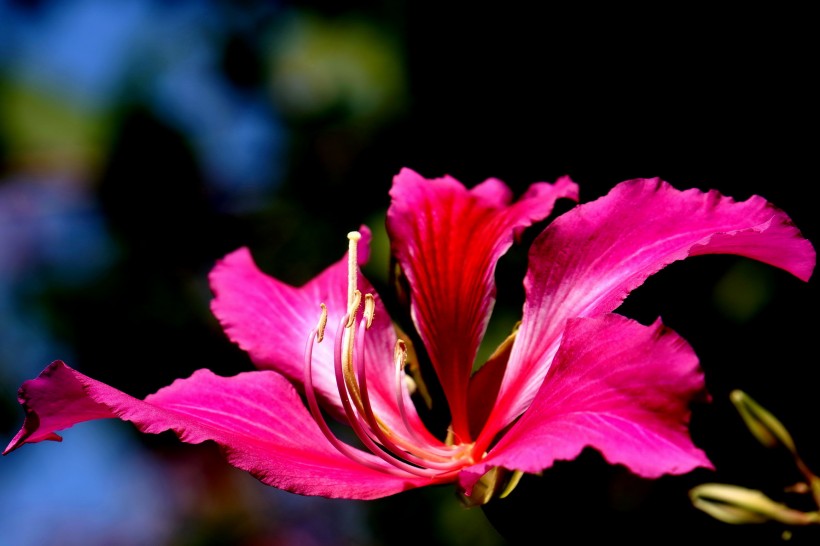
<point x="142" y="140"/>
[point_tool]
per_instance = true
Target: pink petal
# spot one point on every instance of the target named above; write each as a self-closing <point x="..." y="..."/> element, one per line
<point x="619" y="387"/>
<point x="447" y="240"/>
<point x="272" y="320"/>
<point x="256" y="417"/>
<point x="589" y="259"/>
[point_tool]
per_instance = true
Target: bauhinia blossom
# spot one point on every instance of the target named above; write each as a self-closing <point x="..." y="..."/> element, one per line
<point x="572" y="375"/>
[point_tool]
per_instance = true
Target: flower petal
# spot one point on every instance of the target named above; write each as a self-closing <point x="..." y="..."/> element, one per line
<point x="447" y="240"/>
<point x="272" y="320"/>
<point x="589" y="259"/>
<point x="256" y="417"/>
<point x="619" y="387"/>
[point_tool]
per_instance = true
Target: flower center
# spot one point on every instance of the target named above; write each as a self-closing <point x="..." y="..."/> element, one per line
<point x="403" y="442"/>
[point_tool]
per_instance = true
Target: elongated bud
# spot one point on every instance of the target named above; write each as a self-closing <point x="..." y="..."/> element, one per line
<point x="768" y="430"/>
<point x="771" y="433"/>
<point x="738" y="505"/>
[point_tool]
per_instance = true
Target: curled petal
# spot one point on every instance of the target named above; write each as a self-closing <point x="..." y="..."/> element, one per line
<point x="257" y="418"/>
<point x="588" y="260"/>
<point x="271" y="321"/>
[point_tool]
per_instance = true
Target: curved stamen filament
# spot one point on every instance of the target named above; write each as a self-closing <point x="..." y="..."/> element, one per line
<point x="413" y="453"/>
<point x="313" y="405"/>
<point x="353" y="418"/>
<point x="347" y="331"/>
<point x="409" y="453"/>
<point x="399" y="359"/>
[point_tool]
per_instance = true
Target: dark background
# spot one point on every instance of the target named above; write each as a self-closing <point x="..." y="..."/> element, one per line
<point x="697" y="97"/>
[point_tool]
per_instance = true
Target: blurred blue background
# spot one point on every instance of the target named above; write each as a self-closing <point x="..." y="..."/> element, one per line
<point x="141" y="140"/>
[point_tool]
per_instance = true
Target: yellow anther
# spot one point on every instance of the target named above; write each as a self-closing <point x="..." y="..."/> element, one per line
<point x="320" y="328"/>
<point x="400" y="354"/>
<point x="369" y="309"/>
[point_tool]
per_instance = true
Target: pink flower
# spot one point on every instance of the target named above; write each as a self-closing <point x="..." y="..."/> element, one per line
<point x="572" y="375"/>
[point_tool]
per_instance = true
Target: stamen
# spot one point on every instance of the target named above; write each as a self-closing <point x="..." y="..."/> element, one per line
<point x="320" y="329"/>
<point x="352" y="307"/>
<point x="411" y="452"/>
<point x="407" y="456"/>
<point x="345" y="449"/>
<point x="369" y="309"/>
<point x="347" y="353"/>
<point x="399" y="360"/>
<point x="355" y="421"/>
